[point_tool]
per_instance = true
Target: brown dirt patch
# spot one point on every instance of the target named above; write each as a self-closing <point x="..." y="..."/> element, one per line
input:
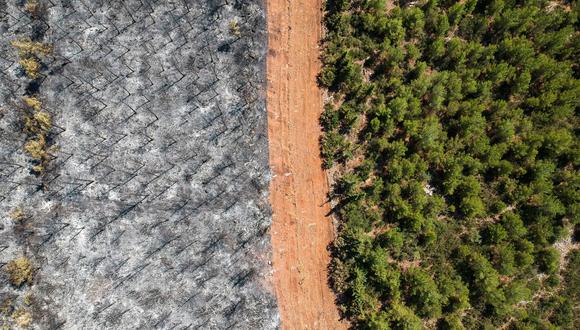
<point x="301" y="229"/>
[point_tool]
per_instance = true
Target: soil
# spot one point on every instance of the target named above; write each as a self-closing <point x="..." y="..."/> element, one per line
<point x="302" y="229"/>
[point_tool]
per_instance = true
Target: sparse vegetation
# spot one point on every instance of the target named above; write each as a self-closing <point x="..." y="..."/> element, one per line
<point x="20" y="271"/>
<point x="453" y="127"/>
<point x="37" y="123"/>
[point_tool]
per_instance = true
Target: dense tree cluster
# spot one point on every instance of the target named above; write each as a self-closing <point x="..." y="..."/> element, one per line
<point x="453" y="126"/>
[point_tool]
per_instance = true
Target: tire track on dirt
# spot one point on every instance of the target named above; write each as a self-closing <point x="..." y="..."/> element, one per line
<point x="301" y="229"/>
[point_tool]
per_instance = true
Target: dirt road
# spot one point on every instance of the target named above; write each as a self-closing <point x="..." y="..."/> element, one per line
<point x="301" y="231"/>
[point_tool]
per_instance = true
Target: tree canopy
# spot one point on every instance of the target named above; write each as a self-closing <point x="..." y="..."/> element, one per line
<point x="453" y="130"/>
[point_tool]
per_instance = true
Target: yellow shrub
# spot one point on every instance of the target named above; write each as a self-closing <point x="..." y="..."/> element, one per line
<point x="28" y="298"/>
<point x="30" y="125"/>
<point x="43" y="120"/>
<point x="235" y="28"/>
<point x="20" y="271"/>
<point x="32" y="102"/>
<point x="32" y="7"/>
<point x="38" y="168"/>
<point x="40" y="123"/>
<point x="36" y="148"/>
<point x="31" y="67"/>
<point x="27" y="47"/>
<point x="17" y="214"/>
<point x="22" y="317"/>
<point x="6" y="306"/>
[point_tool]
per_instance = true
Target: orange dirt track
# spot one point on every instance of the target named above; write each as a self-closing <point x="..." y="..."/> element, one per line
<point x="301" y="229"/>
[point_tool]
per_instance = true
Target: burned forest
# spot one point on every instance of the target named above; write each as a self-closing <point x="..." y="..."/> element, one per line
<point x="134" y="165"/>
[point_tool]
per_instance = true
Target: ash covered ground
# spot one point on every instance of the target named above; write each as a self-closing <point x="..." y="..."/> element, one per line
<point x="153" y="211"/>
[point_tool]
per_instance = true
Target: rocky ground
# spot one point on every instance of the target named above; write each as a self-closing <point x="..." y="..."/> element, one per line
<point x="153" y="208"/>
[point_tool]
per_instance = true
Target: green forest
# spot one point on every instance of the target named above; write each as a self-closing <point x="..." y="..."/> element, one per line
<point x="451" y="131"/>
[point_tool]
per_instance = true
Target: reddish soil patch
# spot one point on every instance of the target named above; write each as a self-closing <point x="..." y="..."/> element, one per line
<point x="301" y="229"/>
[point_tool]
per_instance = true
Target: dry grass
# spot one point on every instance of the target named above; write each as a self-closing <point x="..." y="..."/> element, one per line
<point x="565" y="246"/>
